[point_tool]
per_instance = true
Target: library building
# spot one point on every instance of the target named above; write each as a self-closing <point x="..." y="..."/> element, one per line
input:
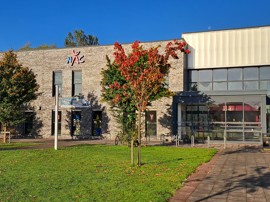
<point x="220" y="89"/>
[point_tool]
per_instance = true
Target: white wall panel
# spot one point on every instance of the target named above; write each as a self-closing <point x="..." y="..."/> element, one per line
<point x="229" y="48"/>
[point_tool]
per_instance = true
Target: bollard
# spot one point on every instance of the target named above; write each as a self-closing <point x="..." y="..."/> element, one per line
<point x="208" y="141"/>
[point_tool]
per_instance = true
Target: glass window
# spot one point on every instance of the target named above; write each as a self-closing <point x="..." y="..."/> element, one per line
<point x="194" y="87"/>
<point x="251" y="73"/>
<point x="205" y="75"/>
<point x="235" y="74"/>
<point x="75" y="123"/>
<point x="265" y="85"/>
<point x="252" y="111"/>
<point x="77" y="76"/>
<point x="219" y="85"/>
<point x="193" y="76"/>
<point x="57" y="80"/>
<point x="235" y="86"/>
<point x="76" y="83"/>
<point x="77" y="89"/>
<point x="203" y="108"/>
<point x="58" y="77"/>
<point x="265" y="73"/>
<point x="205" y="86"/>
<point x="151" y="123"/>
<point x="217" y="112"/>
<point x="220" y="75"/>
<point x="250" y="85"/>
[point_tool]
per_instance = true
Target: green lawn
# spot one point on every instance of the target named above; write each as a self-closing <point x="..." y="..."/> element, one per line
<point x="96" y="173"/>
<point x="15" y="145"/>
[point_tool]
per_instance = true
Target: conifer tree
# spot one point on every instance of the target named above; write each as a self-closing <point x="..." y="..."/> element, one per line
<point x="18" y="88"/>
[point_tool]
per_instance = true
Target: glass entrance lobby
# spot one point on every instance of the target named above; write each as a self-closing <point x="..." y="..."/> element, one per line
<point x="239" y="117"/>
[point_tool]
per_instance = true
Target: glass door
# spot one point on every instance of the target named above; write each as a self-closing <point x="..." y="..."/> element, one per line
<point x="151" y="123"/>
<point x="76" y="123"/>
<point x="97" y="123"/>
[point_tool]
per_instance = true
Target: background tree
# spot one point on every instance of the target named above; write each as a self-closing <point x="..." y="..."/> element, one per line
<point x="79" y="38"/>
<point x="27" y="47"/>
<point x="18" y="88"/>
<point x="144" y="73"/>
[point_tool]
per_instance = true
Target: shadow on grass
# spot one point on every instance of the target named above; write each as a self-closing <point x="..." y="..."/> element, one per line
<point x="7" y="146"/>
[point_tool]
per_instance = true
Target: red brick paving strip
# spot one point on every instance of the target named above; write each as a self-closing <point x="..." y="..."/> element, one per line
<point x="182" y="194"/>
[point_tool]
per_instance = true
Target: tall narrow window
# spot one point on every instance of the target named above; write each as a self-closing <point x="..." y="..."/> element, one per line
<point x="57" y="80"/>
<point x="76" y="83"/>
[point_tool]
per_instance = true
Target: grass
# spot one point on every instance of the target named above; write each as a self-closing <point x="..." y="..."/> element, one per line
<point x="14" y="145"/>
<point x="96" y="173"/>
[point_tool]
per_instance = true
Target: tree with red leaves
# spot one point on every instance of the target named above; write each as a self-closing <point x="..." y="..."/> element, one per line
<point x="145" y="72"/>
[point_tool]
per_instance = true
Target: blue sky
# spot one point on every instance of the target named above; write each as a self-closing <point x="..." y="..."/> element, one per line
<point x="49" y="21"/>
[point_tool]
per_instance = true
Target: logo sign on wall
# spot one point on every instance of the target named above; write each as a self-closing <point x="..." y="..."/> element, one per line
<point x="76" y="57"/>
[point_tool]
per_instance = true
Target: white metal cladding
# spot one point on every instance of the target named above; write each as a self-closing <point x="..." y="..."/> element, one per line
<point x="229" y="48"/>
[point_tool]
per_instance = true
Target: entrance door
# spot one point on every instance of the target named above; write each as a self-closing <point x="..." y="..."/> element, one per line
<point x="28" y="124"/>
<point x="76" y="123"/>
<point x="151" y="123"/>
<point x="97" y="123"/>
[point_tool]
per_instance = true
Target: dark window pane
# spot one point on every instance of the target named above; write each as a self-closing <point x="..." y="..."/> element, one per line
<point x="265" y="73"/>
<point x="235" y="74"/>
<point x="205" y="75"/>
<point x="193" y="87"/>
<point x="220" y="75"/>
<point x="251" y="73"/>
<point x="53" y="122"/>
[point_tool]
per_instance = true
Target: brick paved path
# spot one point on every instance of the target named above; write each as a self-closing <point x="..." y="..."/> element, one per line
<point x="235" y="174"/>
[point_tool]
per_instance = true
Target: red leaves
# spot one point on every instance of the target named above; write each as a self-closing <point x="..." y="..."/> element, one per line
<point x="135" y="45"/>
<point x="115" y="85"/>
<point x="119" y="54"/>
<point x="144" y="70"/>
<point x="117" y="99"/>
<point x="187" y="51"/>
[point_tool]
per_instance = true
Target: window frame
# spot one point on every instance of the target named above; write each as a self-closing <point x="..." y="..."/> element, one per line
<point x="74" y="83"/>
<point x="54" y="83"/>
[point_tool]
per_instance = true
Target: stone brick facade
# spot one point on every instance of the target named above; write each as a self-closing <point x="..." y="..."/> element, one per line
<point x="45" y="62"/>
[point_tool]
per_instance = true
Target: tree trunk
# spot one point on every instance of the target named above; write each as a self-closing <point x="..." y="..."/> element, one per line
<point x="132" y="151"/>
<point x="5" y="133"/>
<point x="139" y="137"/>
